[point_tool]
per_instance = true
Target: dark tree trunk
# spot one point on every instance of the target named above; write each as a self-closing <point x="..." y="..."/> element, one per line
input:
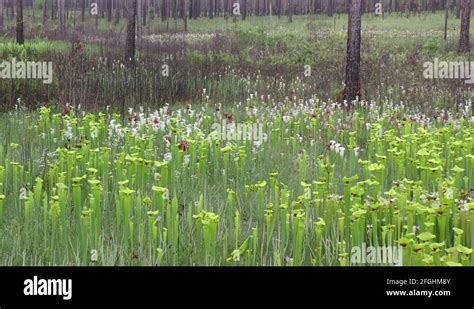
<point x="330" y="8"/>
<point x="164" y="10"/>
<point x="117" y="12"/>
<point x="109" y="10"/>
<point x="20" y="35"/>
<point x="62" y="16"/>
<point x="211" y="9"/>
<point x="45" y="11"/>
<point x="12" y="10"/>
<point x="446" y="20"/>
<point x="144" y="12"/>
<point x="465" y="24"/>
<point x="83" y="10"/>
<point x="131" y="28"/>
<point x="290" y="11"/>
<point x="185" y="14"/>
<point x="1" y="15"/>
<point x="352" y="87"/>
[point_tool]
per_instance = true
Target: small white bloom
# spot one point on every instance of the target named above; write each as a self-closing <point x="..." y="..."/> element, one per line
<point x="94" y="132"/>
<point x="23" y="194"/>
<point x="341" y="151"/>
<point x="166" y="194"/>
<point x="186" y="160"/>
<point x="356" y="151"/>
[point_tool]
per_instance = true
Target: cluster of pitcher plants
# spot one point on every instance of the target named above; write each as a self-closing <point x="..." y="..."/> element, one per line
<point x="159" y="188"/>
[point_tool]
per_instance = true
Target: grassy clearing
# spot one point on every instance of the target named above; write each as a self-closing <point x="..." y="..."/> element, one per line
<point x="257" y="55"/>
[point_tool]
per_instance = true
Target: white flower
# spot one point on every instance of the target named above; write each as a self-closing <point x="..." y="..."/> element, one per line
<point x="449" y="193"/>
<point x="236" y="255"/>
<point x="186" y="160"/>
<point x="379" y="132"/>
<point x="23" y="194"/>
<point x="257" y="143"/>
<point x="94" y="132"/>
<point x="341" y="151"/>
<point x="356" y="151"/>
<point x="168" y="156"/>
<point x="166" y="194"/>
<point x="68" y="133"/>
<point x="51" y="154"/>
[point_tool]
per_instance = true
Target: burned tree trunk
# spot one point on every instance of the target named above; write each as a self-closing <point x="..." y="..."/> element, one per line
<point x="109" y="10"/>
<point x="290" y="11"/>
<point x="1" y="15"/>
<point x="465" y="24"/>
<point x="83" y="10"/>
<point x="45" y="11"/>
<point x="131" y="27"/>
<point x="446" y="14"/>
<point x="211" y="9"/>
<point x="117" y="13"/>
<point x="184" y="13"/>
<point x="20" y="35"/>
<point x="62" y="16"/>
<point x="352" y="87"/>
<point x="330" y="8"/>
<point x="164" y="10"/>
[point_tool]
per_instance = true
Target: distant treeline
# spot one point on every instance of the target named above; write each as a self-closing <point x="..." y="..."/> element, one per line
<point x="114" y="10"/>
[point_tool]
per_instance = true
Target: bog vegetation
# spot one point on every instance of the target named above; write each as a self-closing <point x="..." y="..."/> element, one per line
<point x="119" y="162"/>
